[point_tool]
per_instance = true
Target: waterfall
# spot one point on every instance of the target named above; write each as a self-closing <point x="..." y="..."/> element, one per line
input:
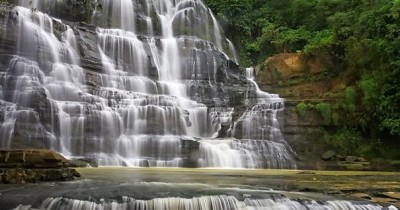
<point x="221" y="202"/>
<point x="217" y="32"/>
<point x="165" y="95"/>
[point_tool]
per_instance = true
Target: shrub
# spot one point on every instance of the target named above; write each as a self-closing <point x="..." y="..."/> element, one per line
<point x="301" y="109"/>
<point x="326" y="111"/>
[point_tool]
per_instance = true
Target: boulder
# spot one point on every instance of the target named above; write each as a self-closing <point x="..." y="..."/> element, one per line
<point x="32" y="165"/>
<point x="328" y="155"/>
<point x="31" y="158"/>
<point x="83" y="163"/>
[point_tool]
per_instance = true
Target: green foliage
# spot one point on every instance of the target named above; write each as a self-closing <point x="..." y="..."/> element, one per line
<point x="369" y="89"/>
<point x="301" y="109"/>
<point x="320" y="40"/>
<point x="326" y="111"/>
<point x="350" y="99"/>
<point x="319" y="132"/>
<point x="393" y="125"/>
<point x="335" y="118"/>
<point x="348" y="141"/>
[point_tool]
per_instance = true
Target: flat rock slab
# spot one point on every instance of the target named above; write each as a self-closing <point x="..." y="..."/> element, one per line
<point x="33" y="165"/>
<point x="394" y="195"/>
<point x="361" y="195"/>
<point x="31" y="158"/>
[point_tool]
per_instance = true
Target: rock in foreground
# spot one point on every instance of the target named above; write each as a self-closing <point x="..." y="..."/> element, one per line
<point x="32" y="165"/>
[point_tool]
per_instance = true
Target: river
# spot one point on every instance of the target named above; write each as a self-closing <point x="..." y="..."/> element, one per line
<point x="176" y="188"/>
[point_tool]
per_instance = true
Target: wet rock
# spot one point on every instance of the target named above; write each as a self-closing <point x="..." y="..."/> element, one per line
<point x="306" y="172"/>
<point x="361" y="159"/>
<point x="22" y="175"/>
<point x="334" y="192"/>
<point x="83" y="163"/>
<point x="361" y="195"/>
<point x="388" y="201"/>
<point x="71" y="10"/>
<point x="88" y="47"/>
<point x="328" y="155"/>
<point x="340" y="158"/>
<point x="223" y="131"/>
<point x="393" y="195"/>
<point x="32" y="165"/>
<point x="351" y="159"/>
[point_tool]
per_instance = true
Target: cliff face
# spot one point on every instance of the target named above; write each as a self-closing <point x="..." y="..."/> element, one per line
<point x="306" y="87"/>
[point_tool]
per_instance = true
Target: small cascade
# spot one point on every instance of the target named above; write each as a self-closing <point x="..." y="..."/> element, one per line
<point x="166" y="94"/>
<point x="217" y="32"/>
<point x="232" y="50"/>
<point x="245" y="154"/>
<point x="119" y="14"/>
<point x="219" y="118"/>
<point x="260" y="121"/>
<point x="220" y="202"/>
<point x="257" y="141"/>
<point x="124" y="50"/>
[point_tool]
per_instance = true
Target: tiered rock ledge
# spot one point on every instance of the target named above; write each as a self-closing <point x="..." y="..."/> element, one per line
<point x="34" y="165"/>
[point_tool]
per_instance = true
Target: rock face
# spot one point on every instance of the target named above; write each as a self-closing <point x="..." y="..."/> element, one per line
<point x="158" y="87"/>
<point x="301" y="79"/>
<point x="286" y="66"/>
<point x="32" y="165"/>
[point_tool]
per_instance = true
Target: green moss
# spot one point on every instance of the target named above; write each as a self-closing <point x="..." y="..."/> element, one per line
<point x="301" y="109"/>
<point x="335" y="119"/>
<point x="325" y="109"/>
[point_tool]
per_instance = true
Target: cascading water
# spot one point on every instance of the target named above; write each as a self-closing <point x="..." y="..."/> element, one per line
<point x="167" y="95"/>
<point x="154" y="83"/>
<point x="204" y="203"/>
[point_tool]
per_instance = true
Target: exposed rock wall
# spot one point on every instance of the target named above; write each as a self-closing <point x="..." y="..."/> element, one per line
<point x="299" y="79"/>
